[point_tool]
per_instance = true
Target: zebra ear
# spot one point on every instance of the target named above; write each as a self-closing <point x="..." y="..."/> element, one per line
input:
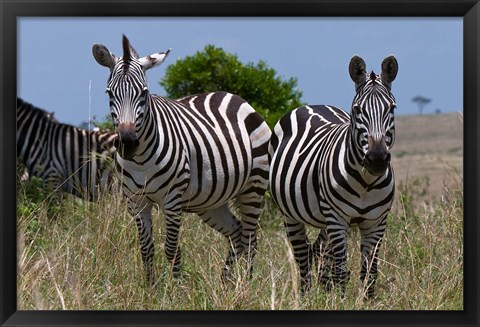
<point x="103" y="56"/>
<point x="128" y="51"/>
<point x="357" y="69"/>
<point x="154" y="59"/>
<point x="389" y="69"/>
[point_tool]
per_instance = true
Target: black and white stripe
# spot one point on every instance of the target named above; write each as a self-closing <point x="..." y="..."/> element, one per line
<point x="65" y="157"/>
<point x="191" y="155"/>
<point x="331" y="170"/>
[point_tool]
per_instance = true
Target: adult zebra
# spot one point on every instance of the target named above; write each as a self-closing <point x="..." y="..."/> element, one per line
<point x="65" y="157"/>
<point x="332" y="171"/>
<point x="192" y="155"/>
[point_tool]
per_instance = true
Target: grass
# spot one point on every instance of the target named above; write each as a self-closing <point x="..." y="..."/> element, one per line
<point x="429" y="145"/>
<point x="85" y="256"/>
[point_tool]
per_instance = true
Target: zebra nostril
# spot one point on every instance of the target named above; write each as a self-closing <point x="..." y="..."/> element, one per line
<point x="377" y="158"/>
<point x="376" y="162"/>
<point x="128" y="140"/>
<point x="126" y="133"/>
<point x="388" y="156"/>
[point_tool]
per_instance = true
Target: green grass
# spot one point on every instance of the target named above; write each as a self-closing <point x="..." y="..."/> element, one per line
<point x="85" y="256"/>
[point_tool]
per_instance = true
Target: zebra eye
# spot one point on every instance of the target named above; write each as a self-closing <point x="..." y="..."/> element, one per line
<point x="393" y="105"/>
<point x="356" y="109"/>
<point x="114" y="116"/>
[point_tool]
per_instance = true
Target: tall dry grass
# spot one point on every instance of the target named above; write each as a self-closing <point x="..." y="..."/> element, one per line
<point x="85" y="256"/>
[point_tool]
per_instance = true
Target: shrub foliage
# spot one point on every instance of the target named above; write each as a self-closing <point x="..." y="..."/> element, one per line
<point x="213" y="69"/>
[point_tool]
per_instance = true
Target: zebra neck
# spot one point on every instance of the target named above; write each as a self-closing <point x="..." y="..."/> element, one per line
<point x="149" y="134"/>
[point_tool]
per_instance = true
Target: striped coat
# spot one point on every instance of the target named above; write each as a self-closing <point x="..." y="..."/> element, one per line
<point x="72" y="159"/>
<point x="196" y="154"/>
<point x="331" y="170"/>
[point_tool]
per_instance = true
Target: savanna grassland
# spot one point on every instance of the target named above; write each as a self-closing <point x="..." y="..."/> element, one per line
<point x="85" y="256"/>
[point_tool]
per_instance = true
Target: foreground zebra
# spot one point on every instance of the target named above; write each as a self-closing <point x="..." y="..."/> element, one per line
<point x="332" y="170"/>
<point x="191" y="155"/>
<point x="65" y="157"/>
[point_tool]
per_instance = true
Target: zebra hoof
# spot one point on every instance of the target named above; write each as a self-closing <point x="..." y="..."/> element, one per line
<point x="226" y="276"/>
<point x="369" y="293"/>
<point x="306" y="285"/>
<point x="176" y="273"/>
<point x="150" y="284"/>
<point x="327" y="284"/>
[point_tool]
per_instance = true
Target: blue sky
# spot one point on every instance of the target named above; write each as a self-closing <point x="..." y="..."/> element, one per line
<point x="57" y="72"/>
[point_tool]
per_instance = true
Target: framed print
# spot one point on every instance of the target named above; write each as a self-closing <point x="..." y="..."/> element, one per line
<point x="72" y="257"/>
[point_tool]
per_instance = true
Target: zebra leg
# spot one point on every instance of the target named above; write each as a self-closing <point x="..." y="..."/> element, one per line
<point x="53" y="185"/>
<point x="172" y="249"/>
<point x="337" y="234"/>
<point x="250" y="207"/>
<point x="251" y="197"/>
<point x="372" y="236"/>
<point x="301" y="250"/>
<point x="322" y="253"/>
<point x="222" y="220"/>
<point x="143" y="219"/>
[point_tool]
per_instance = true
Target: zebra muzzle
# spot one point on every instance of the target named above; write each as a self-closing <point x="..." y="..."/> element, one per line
<point x="377" y="158"/>
<point x="128" y="141"/>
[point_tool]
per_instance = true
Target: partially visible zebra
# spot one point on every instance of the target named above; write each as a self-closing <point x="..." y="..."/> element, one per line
<point x="65" y="157"/>
<point x="332" y="170"/>
<point x="192" y="155"/>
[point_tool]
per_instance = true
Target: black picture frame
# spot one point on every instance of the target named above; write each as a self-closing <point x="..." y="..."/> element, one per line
<point x="11" y="10"/>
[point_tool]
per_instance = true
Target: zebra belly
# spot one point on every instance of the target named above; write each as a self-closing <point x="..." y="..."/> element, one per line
<point x="196" y="190"/>
<point x="210" y="187"/>
<point x="314" y="211"/>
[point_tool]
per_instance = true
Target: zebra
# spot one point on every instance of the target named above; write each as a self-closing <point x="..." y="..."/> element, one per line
<point x="196" y="155"/>
<point x="332" y="171"/>
<point x="65" y="157"/>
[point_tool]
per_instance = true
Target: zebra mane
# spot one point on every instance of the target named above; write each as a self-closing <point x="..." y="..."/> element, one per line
<point x="27" y="106"/>
<point x="373" y="76"/>
<point x="50" y="116"/>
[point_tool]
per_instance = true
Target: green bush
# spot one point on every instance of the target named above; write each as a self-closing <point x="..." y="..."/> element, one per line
<point x="213" y="69"/>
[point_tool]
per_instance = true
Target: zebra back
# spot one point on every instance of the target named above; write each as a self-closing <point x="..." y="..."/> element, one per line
<point x="76" y="160"/>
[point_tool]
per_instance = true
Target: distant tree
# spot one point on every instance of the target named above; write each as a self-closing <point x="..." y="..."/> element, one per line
<point x="85" y="125"/>
<point x="421" y="101"/>
<point x="216" y="70"/>
<point x="106" y="124"/>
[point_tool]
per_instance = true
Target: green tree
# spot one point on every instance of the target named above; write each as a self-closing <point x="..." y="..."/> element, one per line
<point x="106" y="124"/>
<point x="216" y="70"/>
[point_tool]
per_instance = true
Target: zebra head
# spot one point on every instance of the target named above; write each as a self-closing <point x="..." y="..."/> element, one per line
<point x="128" y="91"/>
<point x="373" y="126"/>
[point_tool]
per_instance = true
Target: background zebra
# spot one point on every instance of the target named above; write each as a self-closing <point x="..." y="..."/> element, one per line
<point x="192" y="155"/>
<point x="331" y="170"/>
<point x="64" y="156"/>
